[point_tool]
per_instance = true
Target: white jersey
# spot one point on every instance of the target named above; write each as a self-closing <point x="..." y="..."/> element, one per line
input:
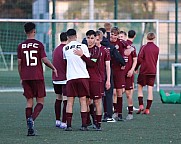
<point x="76" y="67"/>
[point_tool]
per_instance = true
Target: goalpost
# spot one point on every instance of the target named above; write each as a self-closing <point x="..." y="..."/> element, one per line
<point x="45" y="33"/>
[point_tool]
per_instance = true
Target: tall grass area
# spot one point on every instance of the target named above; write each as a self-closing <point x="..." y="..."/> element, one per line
<point x="162" y="126"/>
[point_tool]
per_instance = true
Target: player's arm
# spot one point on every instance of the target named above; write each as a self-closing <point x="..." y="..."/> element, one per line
<point x="88" y="61"/>
<point x="108" y="74"/>
<point x="50" y="65"/>
<point x="118" y="57"/>
<point x="140" y="58"/>
<point x="131" y="71"/>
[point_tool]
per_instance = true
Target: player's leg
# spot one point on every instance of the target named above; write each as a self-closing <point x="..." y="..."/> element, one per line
<point x="83" y="110"/>
<point x="129" y="95"/>
<point x="140" y="98"/>
<point x="64" y="122"/>
<point x="114" y="100"/>
<point x="98" y="105"/>
<point x="119" y="106"/>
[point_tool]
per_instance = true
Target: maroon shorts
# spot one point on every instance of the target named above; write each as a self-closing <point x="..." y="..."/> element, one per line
<point x="129" y="83"/>
<point x="34" y="88"/>
<point x="95" y="90"/>
<point x="78" y="87"/>
<point x="146" y="80"/>
<point x="119" y="79"/>
<point x="60" y="89"/>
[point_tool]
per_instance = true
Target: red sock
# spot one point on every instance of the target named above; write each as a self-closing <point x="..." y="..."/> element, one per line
<point x="84" y="119"/>
<point x="64" y="111"/>
<point x="57" y="108"/>
<point x="119" y="106"/>
<point x="149" y="102"/>
<point x="98" y="118"/>
<point x="69" y="119"/>
<point x="130" y="109"/>
<point x="37" y="110"/>
<point x="140" y="100"/>
<point x="28" y="112"/>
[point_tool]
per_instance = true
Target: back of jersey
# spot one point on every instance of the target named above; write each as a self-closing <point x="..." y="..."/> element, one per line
<point x="31" y="52"/>
<point x="76" y="67"/>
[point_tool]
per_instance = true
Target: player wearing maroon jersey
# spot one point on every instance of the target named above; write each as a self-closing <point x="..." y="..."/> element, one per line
<point x="147" y="60"/>
<point x="31" y="53"/>
<point x="129" y="70"/>
<point x="59" y="83"/>
<point x="118" y="72"/>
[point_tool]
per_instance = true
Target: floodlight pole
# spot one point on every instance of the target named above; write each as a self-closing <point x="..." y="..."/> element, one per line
<point x="115" y="11"/>
<point x="53" y="24"/>
<point x="176" y="40"/>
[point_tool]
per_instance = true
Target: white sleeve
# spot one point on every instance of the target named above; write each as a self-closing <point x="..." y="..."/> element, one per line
<point x="85" y="50"/>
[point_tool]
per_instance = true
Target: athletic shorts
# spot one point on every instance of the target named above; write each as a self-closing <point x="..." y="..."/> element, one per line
<point x="129" y="83"/>
<point x="95" y="90"/>
<point x="60" y="89"/>
<point x="119" y="79"/>
<point x="144" y="80"/>
<point x="34" y="88"/>
<point x="77" y="87"/>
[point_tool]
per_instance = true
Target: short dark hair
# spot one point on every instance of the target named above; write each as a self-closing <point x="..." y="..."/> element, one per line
<point x="71" y="32"/>
<point x="123" y="32"/>
<point x="90" y="32"/>
<point x="115" y="30"/>
<point x="29" y="26"/>
<point x="131" y="33"/>
<point x="151" y="36"/>
<point x="63" y="36"/>
<point x="103" y="30"/>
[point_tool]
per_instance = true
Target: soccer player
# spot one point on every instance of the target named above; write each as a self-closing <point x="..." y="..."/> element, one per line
<point x="122" y="35"/>
<point x="95" y="81"/>
<point x="77" y="79"/>
<point x="129" y="70"/>
<point x="118" y="72"/>
<point x="31" y="53"/>
<point x="59" y="83"/>
<point x="147" y="60"/>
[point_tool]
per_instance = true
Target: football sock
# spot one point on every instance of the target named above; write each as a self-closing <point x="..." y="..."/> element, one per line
<point x="69" y="119"/>
<point x="88" y="118"/>
<point x="119" y="106"/>
<point x="92" y="112"/>
<point x="64" y="111"/>
<point x="84" y="119"/>
<point x="149" y="102"/>
<point x="140" y="100"/>
<point x="37" y="110"/>
<point x="57" y="108"/>
<point x="28" y="112"/>
<point x="98" y="118"/>
<point x="130" y="109"/>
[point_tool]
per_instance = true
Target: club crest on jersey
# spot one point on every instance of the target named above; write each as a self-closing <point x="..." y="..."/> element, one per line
<point x="117" y="47"/>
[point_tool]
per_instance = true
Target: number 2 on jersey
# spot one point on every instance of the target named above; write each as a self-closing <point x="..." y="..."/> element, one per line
<point x="29" y="56"/>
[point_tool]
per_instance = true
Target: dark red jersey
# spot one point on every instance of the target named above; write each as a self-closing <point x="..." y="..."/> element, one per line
<point x="94" y="72"/>
<point x="59" y="63"/>
<point x="104" y="56"/>
<point x="120" y="46"/>
<point x="31" y="52"/>
<point x="147" y="59"/>
<point x="129" y="59"/>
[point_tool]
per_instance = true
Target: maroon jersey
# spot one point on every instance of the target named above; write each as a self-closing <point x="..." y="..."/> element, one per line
<point x="59" y="63"/>
<point x="94" y="72"/>
<point x="120" y="46"/>
<point x="147" y="58"/>
<point x="31" y="52"/>
<point x="104" y="56"/>
<point x="129" y="59"/>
